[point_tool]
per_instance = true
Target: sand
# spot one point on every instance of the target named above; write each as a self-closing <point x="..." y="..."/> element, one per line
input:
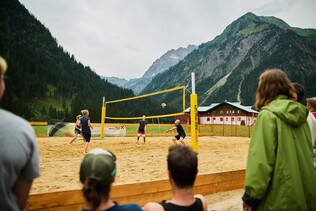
<point x="60" y="161"/>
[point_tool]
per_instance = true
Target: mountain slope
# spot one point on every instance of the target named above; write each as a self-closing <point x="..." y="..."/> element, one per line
<point x="167" y="60"/>
<point x="228" y="67"/>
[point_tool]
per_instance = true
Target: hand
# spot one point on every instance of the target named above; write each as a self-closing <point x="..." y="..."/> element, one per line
<point x="246" y="207"/>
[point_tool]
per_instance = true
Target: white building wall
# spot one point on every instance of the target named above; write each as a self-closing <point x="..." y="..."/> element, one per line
<point x="234" y="120"/>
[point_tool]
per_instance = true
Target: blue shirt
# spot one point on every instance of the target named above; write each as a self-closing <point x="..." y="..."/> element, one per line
<point x="123" y="207"/>
<point x="84" y="124"/>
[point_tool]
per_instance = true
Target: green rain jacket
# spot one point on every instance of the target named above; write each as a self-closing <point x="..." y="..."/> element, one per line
<point x="279" y="174"/>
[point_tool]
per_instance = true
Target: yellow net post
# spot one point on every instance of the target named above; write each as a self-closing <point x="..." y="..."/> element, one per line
<point x="194" y="117"/>
<point x="102" y="120"/>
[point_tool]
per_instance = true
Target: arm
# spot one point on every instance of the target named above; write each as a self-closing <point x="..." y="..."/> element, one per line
<point x="78" y="124"/>
<point x="89" y="124"/>
<point x="152" y="206"/>
<point x="173" y="128"/>
<point x="21" y="190"/>
<point x="246" y="207"/>
<point x="261" y="159"/>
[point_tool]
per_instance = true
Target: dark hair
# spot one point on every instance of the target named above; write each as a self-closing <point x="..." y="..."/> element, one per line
<point x="272" y="83"/>
<point x="300" y="91"/>
<point x="182" y="164"/>
<point x="94" y="191"/>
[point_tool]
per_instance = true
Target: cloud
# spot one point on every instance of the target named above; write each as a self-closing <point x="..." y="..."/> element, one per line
<point x="123" y="38"/>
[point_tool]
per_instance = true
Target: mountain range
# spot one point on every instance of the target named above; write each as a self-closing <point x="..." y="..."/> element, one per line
<point x="46" y="83"/>
<point x="167" y="60"/>
<point x="228" y="67"/>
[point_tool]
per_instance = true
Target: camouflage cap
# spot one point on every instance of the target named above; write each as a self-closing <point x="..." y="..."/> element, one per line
<point x="98" y="164"/>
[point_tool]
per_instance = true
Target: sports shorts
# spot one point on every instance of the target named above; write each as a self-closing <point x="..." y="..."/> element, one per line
<point x="141" y="133"/>
<point x="178" y="136"/>
<point x="87" y="136"/>
<point x="77" y="131"/>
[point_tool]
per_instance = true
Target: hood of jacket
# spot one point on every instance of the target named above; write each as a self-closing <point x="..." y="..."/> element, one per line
<point x="289" y="111"/>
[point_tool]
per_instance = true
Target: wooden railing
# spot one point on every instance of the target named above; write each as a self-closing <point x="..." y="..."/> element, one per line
<point x="139" y="193"/>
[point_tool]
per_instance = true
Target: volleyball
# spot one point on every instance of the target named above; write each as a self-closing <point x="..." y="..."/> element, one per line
<point x="163" y="105"/>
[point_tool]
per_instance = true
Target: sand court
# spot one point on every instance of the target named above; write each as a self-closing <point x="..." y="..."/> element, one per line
<point x="140" y="162"/>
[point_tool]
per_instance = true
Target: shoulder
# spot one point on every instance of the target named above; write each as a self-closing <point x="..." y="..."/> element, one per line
<point x="12" y="122"/>
<point x="153" y="206"/>
<point x="203" y="200"/>
<point x="265" y="113"/>
<point x="8" y="116"/>
<point x="130" y="206"/>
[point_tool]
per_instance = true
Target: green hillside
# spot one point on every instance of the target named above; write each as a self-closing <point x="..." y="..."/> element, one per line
<point x="228" y="67"/>
<point x="45" y="82"/>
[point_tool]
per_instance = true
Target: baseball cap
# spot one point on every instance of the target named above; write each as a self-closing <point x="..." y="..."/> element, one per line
<point x="98" y="164"/>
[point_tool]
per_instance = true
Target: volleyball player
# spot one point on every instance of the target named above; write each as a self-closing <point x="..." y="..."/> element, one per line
<point x="141" y="128"/>
<point x="181" y="133"/>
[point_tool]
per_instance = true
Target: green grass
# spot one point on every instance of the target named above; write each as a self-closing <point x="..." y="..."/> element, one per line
<point x="150" y="129"/>
<point x="40" y="129"/>
<point x="305" y="32"/>
<point x="204" y="130"/>
<point x="252" y="29"/>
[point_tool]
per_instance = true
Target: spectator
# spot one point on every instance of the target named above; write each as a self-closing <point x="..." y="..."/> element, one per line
<point x="311" y="105"/>
<point x="182" y="170"/>
<point x="300" y="91"/>
<point x="19" y="162"/>
<point x="279" y="173"/>
<point x="97" y="173"/>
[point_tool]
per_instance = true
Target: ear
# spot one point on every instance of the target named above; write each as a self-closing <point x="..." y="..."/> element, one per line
<point x="169" y="175"/>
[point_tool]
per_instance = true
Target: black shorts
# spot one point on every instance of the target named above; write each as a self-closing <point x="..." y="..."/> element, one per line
<point x="178" y="136"/>
<point x="87" y="136"/>
<point x="77" y="131"/>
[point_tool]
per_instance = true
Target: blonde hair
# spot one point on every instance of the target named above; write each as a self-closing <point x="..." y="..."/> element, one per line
<point x="84" y="112"/>
<point x="272" y="83"/>
<point x="3" y="66"/>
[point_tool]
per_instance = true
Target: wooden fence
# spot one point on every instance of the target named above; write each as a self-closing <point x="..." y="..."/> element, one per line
<point x="139" y="193"/>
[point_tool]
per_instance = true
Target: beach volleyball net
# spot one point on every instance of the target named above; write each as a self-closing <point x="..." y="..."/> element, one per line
<point x="160" y="104"/>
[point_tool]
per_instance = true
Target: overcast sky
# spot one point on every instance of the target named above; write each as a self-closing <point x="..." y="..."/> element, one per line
<point x="123" y="38"/>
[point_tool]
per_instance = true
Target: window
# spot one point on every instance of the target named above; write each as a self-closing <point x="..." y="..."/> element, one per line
<point x="226" y="118"/>
<point x="208" y="119"/>
<point x="221" y="112"/>
<point x="239" y="119"/>
<point x="214" y="118"/>
<point x="221" y="119"/>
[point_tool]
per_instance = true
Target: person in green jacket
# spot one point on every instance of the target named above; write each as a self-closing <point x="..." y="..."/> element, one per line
<point x="279" y="173"/>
